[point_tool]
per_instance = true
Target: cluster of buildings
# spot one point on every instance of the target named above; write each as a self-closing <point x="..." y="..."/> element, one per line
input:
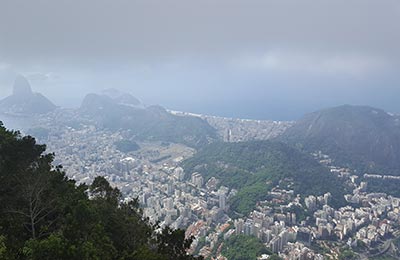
<point x="286" y="223"/>
<point x="238" y="130"/>
<point x="373" y="221"/>
<point x="279" y="224"/>
<point x="152" y="174"/>
<point x="380" y="176"/>
<point x="166" y="194"/>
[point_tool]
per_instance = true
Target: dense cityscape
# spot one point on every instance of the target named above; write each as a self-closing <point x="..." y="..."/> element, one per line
<point x="287" y="224"/>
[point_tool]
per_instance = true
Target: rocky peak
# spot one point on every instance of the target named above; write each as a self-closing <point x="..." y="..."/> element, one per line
<point x="22" y="87"/>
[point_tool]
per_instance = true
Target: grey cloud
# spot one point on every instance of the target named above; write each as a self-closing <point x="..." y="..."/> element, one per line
<point x="329" y="64"/>
<point x="209" y="55"/>
<point x="91" y="30"/>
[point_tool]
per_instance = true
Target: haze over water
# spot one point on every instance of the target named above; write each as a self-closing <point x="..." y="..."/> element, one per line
<point x="250" y="59"/>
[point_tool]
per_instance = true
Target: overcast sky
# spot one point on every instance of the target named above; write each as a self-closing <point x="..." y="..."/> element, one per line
<point x="256" y="59"/>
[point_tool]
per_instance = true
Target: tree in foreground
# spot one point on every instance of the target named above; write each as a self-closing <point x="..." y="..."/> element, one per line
<point x="45" y="215"/>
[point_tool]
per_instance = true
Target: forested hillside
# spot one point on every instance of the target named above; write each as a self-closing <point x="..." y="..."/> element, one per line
<point x="363" y="138"/>
<point x="44" y="215"/>
<point x="255" y="167"/>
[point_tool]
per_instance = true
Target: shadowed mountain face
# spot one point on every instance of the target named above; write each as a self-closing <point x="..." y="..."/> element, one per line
<point x="365" y="138"/>
<point x="22" y="87"/>
<point x="122" y="98"/>
<point x="25" y="102"/>
<point x="146" y="123"/>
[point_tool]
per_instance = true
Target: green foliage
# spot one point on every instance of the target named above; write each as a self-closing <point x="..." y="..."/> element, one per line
<point x="102" y="190"/>
<point x="248" y="196"/>
<point x="52" y="247"/>
<point x="173" y="243"/>
<point x="252" y="167"/>
<point x="347" y="254"/>
<point x="3" y="248"/>
<point x="241" y="247"/>
<point x="127" y="146"/>
<point x="44" y="215"/>
<point x="388" y="186"/>
<point x="363" y="138"/>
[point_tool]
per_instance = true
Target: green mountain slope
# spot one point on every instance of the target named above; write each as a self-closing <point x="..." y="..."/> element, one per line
<point x="364" y="138"/>
<point x="254" y="167"/>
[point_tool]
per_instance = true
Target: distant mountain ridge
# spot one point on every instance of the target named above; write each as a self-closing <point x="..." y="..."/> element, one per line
<point x="146" y="123"/>
<point x="122" y="97"/>
<point x="25" y="102"/>
<point x="365" y="138"/>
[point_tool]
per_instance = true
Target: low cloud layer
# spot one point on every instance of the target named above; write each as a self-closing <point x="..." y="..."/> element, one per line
<point x="177" y="52"/>
<point x="314" y="63"/>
